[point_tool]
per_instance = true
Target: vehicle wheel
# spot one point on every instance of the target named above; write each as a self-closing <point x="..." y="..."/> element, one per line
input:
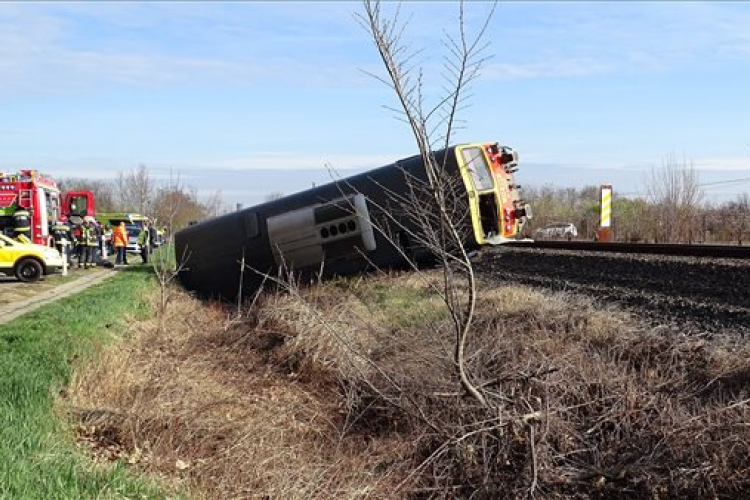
<point x="28" y="270"/>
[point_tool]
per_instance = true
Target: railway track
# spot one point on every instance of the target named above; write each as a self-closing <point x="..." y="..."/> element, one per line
<point x="694" y="289"/>
<point x="715" y="251"/>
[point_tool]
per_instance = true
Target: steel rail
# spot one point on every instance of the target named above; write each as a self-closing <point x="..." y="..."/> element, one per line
<point x="712" y="251"/>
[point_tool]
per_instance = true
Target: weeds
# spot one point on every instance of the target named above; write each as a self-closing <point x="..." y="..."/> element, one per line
<point x="37" y="351"/>
<point x="342" y="390"/>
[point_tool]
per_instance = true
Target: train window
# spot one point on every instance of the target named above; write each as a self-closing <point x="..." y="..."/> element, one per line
<point x="477" y="166"/>
<point x="251" y="224"/>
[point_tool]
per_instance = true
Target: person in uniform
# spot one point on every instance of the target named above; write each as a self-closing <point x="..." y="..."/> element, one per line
<point x="87" y="244"/>
<point x="22" y="225"/>
<point x="143" y="241"/>
<point x="61" y="233"/>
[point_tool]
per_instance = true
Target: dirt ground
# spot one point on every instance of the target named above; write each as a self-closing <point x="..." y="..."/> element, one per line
<point x="18" y="298"/>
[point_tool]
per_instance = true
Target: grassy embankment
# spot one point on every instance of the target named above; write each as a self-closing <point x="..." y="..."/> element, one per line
<point x="37" y="353"/>
<point x="348" y="390"/>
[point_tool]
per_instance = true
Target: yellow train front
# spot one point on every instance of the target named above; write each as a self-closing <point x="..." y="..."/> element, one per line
<point x="376" y="219"/>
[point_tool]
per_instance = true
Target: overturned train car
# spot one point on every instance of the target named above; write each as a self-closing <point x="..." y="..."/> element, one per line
<point x="349" y="225"/>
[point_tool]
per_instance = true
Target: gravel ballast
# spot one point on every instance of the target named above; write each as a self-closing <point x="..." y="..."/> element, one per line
<point x="696" y="295"/>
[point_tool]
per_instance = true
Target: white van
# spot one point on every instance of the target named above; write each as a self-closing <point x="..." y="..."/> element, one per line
<point x="565" y="230"/>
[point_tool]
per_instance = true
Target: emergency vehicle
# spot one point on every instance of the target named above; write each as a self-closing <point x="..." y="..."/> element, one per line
<point x="77" y="205"/>
<point x="28" y="198"/>
<point x="133" y="225"/>
<point x="27" y="261"/>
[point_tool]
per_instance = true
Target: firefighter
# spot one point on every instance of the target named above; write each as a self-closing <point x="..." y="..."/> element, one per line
<point x="87" y="244"/>
<point x="22" y="225"/>
<point x="99" y="232"/>
<point x="151" y="237"/>
<point x="107" y="239"/>
<point x="143" y="241"/>
<point x="61" y="231"/>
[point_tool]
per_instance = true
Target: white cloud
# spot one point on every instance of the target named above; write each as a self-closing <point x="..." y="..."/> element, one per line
<point x="60" y="47"/>
<point x="585" y="39"/>
<point x="546" y="69"/>
<point x="86" y="45"/>
<point x="722" y="164"/>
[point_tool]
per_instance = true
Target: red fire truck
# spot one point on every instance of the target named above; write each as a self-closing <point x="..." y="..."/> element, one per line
<point x="28" y="198"/>
<point x="77" y="205"/>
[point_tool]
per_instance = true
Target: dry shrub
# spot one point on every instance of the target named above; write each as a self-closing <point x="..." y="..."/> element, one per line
<point x="195" y="405"/>
<point x="583" y="400"/>
<point x="348" y="389"/>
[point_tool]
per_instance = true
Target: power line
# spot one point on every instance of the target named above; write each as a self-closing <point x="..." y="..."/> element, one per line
<point x="722" y="183"/>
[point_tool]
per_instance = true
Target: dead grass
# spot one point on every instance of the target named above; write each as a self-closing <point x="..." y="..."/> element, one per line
<point x="196" y="405"/>
<point x="347" y="389"/>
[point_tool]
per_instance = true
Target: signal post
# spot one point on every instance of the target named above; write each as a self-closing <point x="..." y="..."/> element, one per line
<point x="604" y="233"/>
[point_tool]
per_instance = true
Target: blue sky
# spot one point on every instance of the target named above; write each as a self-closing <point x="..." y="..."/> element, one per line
<point x="253" y="98"/>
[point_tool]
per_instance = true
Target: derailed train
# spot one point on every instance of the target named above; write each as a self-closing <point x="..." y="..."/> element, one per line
<point x="344" y="227"/>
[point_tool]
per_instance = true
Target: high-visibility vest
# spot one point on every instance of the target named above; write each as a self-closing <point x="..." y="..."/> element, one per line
<point x="88" y="236"/>
<point x="60" y="231"/>
<point x="120" y="236"/>
<point x="143" y="237"/>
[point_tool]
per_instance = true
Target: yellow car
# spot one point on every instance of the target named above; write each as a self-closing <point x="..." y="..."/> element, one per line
<point x="27" y="261"/>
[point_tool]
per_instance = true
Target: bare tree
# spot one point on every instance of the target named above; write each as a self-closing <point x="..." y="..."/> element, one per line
<point x="171" y="204"/>
<point x="737" y="217"/>
<point x="175" y="205"/>
<point x="273" y="195"/>
<point x="676" y="194"/>
<point x="135" y="189"/>
<point x="434" y="126"/>
<point x="103" y="190"/>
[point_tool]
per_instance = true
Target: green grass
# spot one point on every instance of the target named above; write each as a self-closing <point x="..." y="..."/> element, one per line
<point x="405" y="306"/>
<point x="38" y="458"/>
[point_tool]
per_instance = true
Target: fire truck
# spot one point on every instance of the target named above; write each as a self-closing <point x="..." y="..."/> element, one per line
<point x="28" y="198"/>
<point x="77" y="205"/>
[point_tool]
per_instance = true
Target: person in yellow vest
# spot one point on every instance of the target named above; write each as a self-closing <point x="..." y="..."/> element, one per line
<point x="61" y="232"/>
<point x="22" y="225"/>
<point x="87" y="243"/>
<point x="143" y="241"/>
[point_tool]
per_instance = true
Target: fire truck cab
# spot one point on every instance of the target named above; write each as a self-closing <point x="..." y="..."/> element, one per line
<point x="29" y="203"/>
<point x="77" y="205"/>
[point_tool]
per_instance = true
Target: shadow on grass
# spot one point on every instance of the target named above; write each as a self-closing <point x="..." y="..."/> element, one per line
<point x="138" y="268"/>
